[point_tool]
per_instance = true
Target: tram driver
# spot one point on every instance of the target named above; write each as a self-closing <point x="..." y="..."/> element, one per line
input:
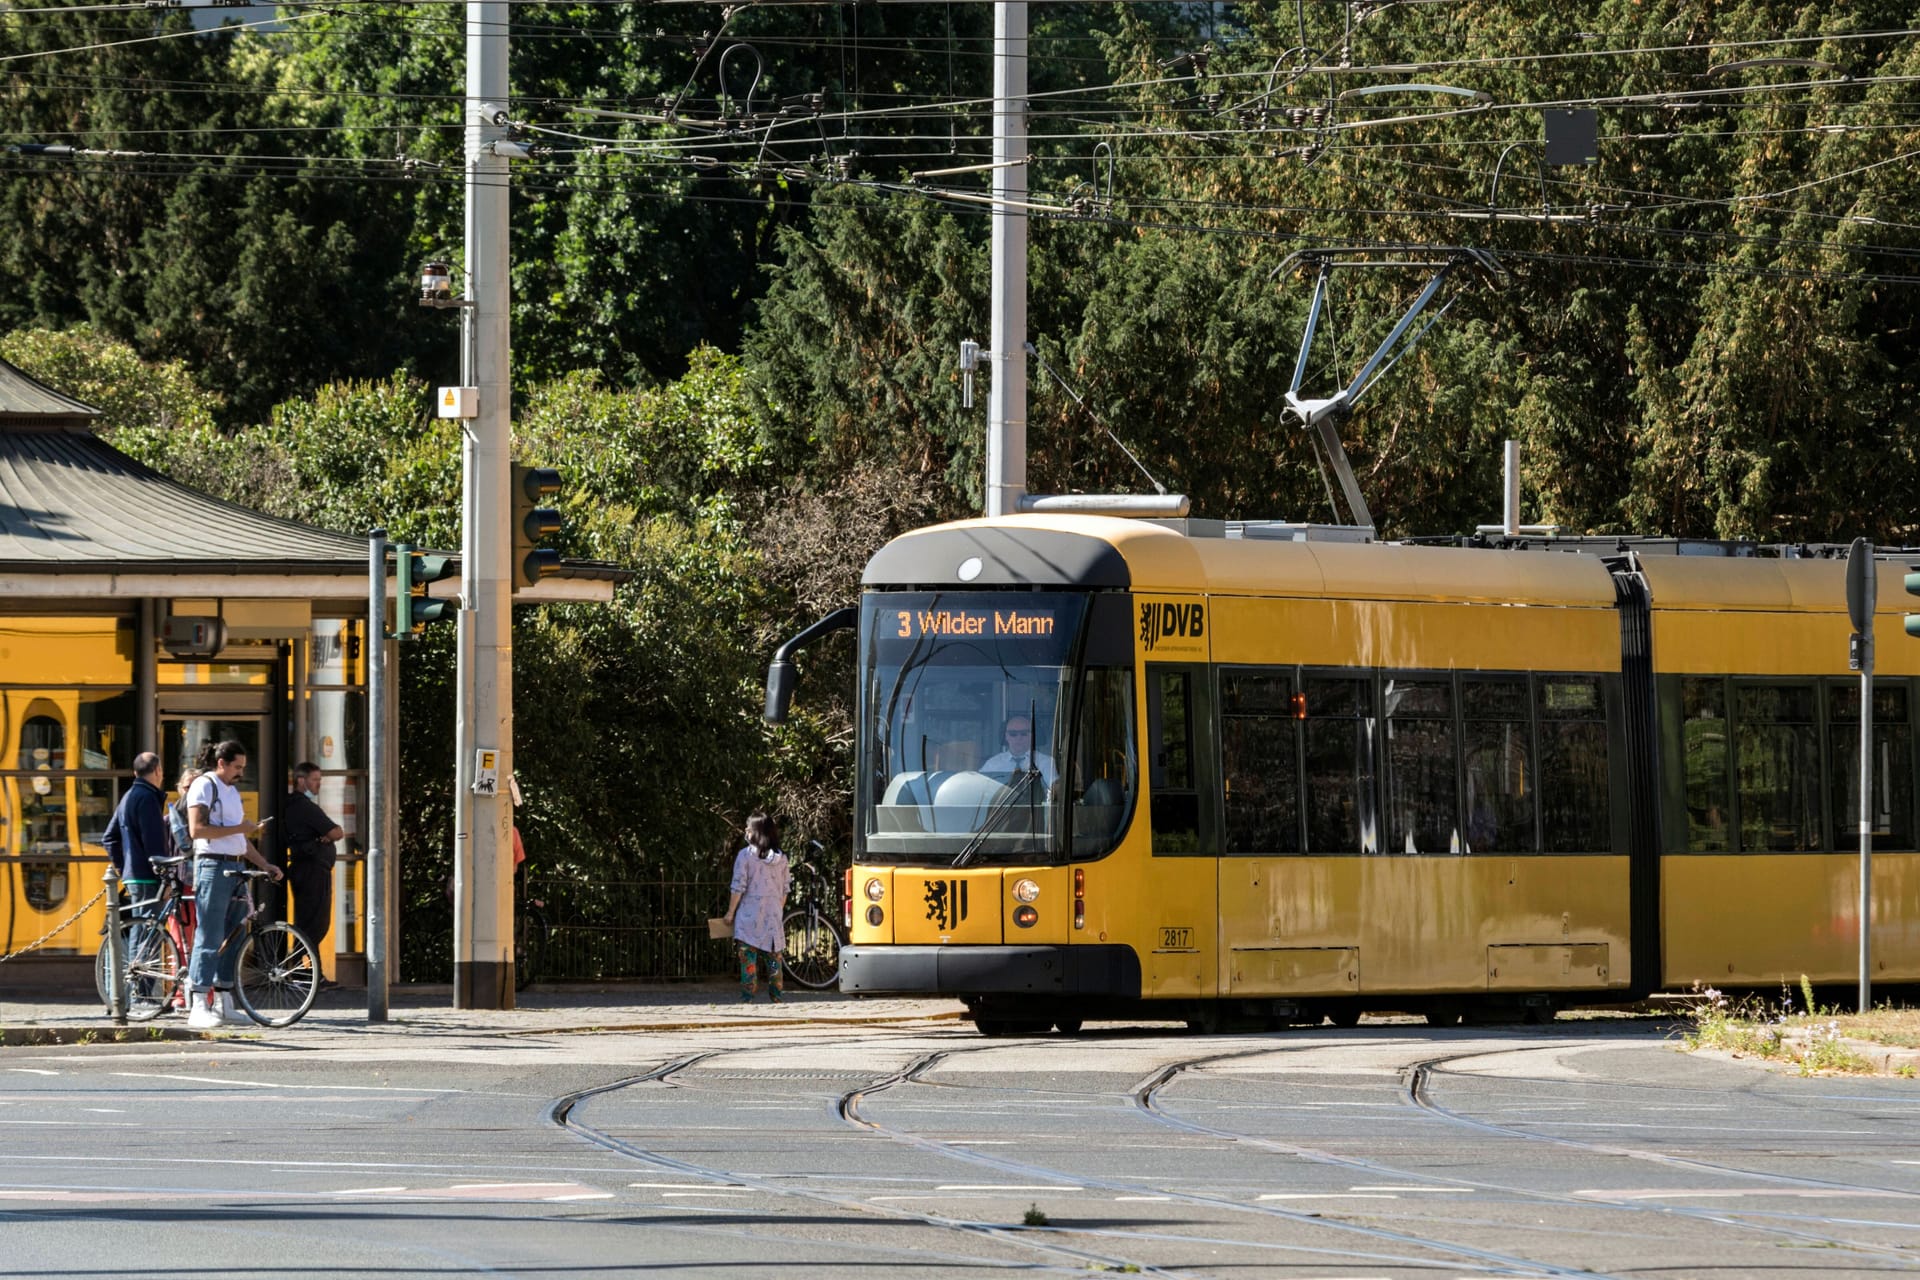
<point x="1020" y="757"/>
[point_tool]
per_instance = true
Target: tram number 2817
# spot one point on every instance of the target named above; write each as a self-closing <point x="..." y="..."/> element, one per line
<point x="1176" y="939"/>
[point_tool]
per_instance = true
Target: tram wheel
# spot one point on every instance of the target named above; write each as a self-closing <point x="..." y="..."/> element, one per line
<point x="1067" y="1026"/>
<point x="1445" y="1013"/>
<point x="1344" y="1017"/>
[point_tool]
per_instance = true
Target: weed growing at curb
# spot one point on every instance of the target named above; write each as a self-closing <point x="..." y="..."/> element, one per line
<point x="1809" y="1037"/>
<point x="1035" y="1217"/>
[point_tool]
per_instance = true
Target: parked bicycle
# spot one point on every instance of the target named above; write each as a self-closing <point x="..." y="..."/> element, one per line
<point x="279" y="971"/>
<point x="157" y="937"/>
<point x="813" y="937"/>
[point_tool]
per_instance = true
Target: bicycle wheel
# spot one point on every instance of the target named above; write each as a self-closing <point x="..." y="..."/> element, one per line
<point x="813" y="949"/>
<point x="279" y="976"/>
<point x="529" y="946"/>
<point x="155" y="971"/>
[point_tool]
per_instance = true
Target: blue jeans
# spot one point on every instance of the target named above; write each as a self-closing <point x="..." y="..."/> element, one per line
<point x="221" y="910"/>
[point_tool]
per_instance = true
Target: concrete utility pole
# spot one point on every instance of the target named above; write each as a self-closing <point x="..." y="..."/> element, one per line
<point x="483" y="859"/>
<point x="1007" y="406"/>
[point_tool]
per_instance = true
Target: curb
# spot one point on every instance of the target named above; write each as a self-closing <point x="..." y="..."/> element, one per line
<point x="44" y="1036"/>
<point x="22" y="1037"/>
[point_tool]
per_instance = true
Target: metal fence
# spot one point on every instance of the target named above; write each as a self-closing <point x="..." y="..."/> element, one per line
<point x="612" y="929"/>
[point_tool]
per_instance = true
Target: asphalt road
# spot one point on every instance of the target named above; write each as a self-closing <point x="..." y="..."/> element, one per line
<point x="1581" y="1149"/>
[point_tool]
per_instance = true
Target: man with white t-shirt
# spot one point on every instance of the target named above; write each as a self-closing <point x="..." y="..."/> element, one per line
<point x="219" y="826"/>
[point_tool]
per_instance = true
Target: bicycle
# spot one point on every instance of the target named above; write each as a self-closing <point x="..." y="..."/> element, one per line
<point x="279" y="974"/>
<point x="279" y="970"/>
<point x="155" y="942"/>
<point x="813" y="939"/>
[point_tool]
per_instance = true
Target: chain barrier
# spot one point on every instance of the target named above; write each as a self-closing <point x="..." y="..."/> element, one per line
<point x="48" y="935"/>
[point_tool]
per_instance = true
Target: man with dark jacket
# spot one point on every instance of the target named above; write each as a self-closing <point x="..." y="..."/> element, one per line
<point x="137" y="834"/>
<point x="310" y="837"/>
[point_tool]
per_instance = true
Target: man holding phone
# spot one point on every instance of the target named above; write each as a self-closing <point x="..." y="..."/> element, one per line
<point x="218" y="823"/>
<point x="311" y="838"/>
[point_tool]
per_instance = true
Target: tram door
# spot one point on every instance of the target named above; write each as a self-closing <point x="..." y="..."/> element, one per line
<point x="1180" y="901"/>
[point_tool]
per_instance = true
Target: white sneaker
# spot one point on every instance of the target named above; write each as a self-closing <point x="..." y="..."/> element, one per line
<point x="205" y="1017"/>
<point x="230" y="1008"/>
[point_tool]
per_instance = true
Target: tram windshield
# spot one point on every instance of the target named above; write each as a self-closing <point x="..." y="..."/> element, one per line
<point x="970" y="749"/>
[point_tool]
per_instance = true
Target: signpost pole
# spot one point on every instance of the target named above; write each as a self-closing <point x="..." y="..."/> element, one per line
<point x="1861" y="592"/>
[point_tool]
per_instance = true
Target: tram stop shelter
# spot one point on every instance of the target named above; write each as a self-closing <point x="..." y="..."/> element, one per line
<point x="139" y="614"/>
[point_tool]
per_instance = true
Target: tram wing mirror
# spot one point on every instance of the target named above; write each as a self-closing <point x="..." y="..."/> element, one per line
<point x="780" y="672"/>
<point x="780" y="678"/>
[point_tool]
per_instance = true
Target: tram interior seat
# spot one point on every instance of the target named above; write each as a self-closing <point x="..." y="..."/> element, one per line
<point x="941" y="800"/>
<point x="908" y="802"/>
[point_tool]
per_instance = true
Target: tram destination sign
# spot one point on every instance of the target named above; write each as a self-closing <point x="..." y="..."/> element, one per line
<point x="984" y="621"/>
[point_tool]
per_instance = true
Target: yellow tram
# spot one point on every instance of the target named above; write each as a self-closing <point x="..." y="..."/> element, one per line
<point x="1191" y="770"/>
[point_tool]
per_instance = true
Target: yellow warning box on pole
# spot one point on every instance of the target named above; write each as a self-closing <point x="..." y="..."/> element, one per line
<point x="459" y="402"/>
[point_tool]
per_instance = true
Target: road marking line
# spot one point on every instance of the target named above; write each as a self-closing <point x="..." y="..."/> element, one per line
<point x="1722" y="1193"/>
<point x="266" y="1084"/>
<point x="670" y="1195"/>
<point x="33" y="1071"/>
<point x="1322" y="1195"/>
<point x="369" y="1191"/>
<point x="1441" y="1191"/>
<point x="1156" y="1198"/>
<point x="968" y="1186"/>
<point x="674" y="1186"/>
<point x="511" y="1186"/>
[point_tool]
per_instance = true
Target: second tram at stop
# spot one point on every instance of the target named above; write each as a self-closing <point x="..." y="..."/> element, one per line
<point x="1239" y="774"/>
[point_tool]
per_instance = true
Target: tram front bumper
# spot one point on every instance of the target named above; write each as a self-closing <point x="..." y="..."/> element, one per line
<point x="1095" y="970"/>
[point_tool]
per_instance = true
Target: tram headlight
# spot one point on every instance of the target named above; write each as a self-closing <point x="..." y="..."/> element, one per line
<point x="875" y="915"/>
<point x="1025" y="917"/>
<point x="1025" y="890"/>
<point x="875" y="890"/>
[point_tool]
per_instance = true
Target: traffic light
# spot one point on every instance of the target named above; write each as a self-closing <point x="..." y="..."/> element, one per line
<point x="532" y="522"/>
<point x="1913" y="589"/>
<point x="416" y="569"/>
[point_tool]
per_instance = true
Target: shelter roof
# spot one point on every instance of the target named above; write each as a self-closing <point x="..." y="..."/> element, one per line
<point x="70" y="502"/>
<point x="30" y="405"/>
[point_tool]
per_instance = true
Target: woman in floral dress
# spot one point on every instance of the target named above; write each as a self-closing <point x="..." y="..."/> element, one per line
<point x="761" y="878"/>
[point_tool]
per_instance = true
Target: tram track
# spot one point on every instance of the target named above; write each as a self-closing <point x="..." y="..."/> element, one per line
<point x="850" y="1111"/>
<point x="1147" y="1098"/>
<point x="563" y="1113"/>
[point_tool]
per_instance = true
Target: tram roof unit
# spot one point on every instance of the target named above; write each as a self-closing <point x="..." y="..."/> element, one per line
<point x="1288" y="559"/>
<point x="1154" y="556"/>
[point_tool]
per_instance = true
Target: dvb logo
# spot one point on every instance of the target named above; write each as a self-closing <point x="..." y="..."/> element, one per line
<point x="1165" y="621"/>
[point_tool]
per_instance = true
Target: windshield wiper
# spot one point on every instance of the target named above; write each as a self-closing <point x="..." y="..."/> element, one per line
<point x="1018" y="784"/>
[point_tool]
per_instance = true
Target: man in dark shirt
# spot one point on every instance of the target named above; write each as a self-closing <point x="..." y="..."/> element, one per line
<point x="141" y="834"/>
<point x="310" y="836"/>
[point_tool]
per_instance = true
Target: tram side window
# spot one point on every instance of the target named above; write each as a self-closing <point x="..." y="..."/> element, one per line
<point x="1892" y="814"/>
<point x="1575" y="793"/>
<point x="1497" y="738"/>
<point x="1104" y="773"/>
<point x="1259" y="748"/>
<point x="1176" y="796"/>
<point x="1703" y="730"/>
<point x="1422" y="777"/>
<point x="1778" y="768"/>
<point x="1340" y="729"/>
